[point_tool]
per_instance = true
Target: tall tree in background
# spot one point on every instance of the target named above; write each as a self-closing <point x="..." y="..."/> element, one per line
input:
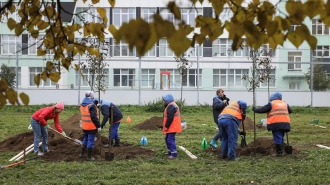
<point x="9" y="75"/>
<point x="320" y="80"/>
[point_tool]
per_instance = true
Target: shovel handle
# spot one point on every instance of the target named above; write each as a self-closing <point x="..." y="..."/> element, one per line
<point x="65" y="136"/>
<point x="287" y="138"/>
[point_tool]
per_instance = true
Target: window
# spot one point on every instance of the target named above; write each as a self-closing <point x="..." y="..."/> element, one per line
<point x="148" y="77"/>
<point x="13" y="15"/>
<point x="122" y="49"/>
<point x="189" y="15"/>
<point x="294" y="85"/>
<point x="296" y="58"/>
<point x="121" y="15"/>
<point x="265" y="50"/>
<point x="318" y="28"/>
<point x="18" y="77"/>
<point x="47" y="4"/>
<point x="88" y="76"/>
<point x="219" y="77"/>
<point x="164" y="49"/>
<point x="293" y="27"/>
<point x="105" y="47"/>
<point x="89" y="15"/>
<point x="9" y="44"/>
<point x="34" y="44"/>
<point x="175" y="78"/>
<point x="235" y="77"/>
<point x="271" y="80"/>
<point x="123" y="77"/>
<point x="148" y="14"/>
<point x="37" y="70"/>
<point x="220" y="47"/>
<point x="192" y="52"/>
<point x="225" y="15"/>
<point x="167" y="15"/>
<point x="190" y="80"/>
<point x="322" y="51"/>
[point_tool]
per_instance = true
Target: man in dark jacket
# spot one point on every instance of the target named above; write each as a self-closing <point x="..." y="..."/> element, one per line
<point x="90" y="124"/>
<point x="105" y="108"/>
<point x="220" y="101"/>
<point x="278" y="120"/>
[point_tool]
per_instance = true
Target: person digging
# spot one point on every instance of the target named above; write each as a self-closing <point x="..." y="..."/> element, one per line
<point x="105" y="108"/>
<point x="278" y="120"/>
<point x="90" y="124"/>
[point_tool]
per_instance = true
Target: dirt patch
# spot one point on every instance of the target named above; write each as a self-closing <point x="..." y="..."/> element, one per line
<point x="62" y="149"/>
<point x="262" y="146"/>
<point x="154" y="123"/>
<point x="249" y="125"/>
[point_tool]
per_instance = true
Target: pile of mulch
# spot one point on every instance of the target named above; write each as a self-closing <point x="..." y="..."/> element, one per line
<point x="154" y="123"/>
<point x="62" y="149"/>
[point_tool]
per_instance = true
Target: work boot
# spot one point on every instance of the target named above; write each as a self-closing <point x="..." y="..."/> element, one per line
<point x="117" y="141"/>
<point x="213" y="143"/>
<point x="82" y="151"/>
<point x="89" y="153"/>
<point x="279" y="152"/>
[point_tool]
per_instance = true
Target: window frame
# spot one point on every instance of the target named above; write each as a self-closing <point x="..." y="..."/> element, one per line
<point x="294" y="65"/>
<point x="147" y="73"/>
<point x="119" y="15"/>
<point x="131" y="73"/>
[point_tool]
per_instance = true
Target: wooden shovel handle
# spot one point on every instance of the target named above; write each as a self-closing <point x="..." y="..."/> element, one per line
<point x="61" y="134"/>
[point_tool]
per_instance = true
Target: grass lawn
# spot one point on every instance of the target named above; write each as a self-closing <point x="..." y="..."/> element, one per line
<point x="310" y="166"/>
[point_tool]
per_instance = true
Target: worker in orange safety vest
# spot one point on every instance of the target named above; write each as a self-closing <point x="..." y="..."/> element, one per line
<point x="278" y="120"/>
<point x="171" y="124"/>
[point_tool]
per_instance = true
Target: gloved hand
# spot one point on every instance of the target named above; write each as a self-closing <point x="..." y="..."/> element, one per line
<point x="99" y="129"/>
<point x="63" y="134"/>
<point x="243" y="117"/>
<point x="242" y="133"/>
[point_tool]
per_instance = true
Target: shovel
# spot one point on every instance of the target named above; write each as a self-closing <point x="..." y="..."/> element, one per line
<point x="74" y="140"/>
<point x="109" y="156"/>
<point x="243" y="141"/>
<point x="288" y="148"/>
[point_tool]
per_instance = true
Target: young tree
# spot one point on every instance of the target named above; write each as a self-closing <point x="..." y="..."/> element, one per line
<point x="183" y="65"/>
<point x="320" y="80"/>
<point x="266" y="70"/>
<point x="9" y="75"/>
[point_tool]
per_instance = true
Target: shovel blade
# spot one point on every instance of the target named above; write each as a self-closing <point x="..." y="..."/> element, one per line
<point x="243" y="143"/>
<point x="288" y="149"/>
<point x="109" y="156"/>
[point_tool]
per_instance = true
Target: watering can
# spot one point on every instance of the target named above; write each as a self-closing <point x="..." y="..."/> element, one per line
<point x="204" y="144"/>
<point x="315" y="121"/>
<point x="144" y="140"/>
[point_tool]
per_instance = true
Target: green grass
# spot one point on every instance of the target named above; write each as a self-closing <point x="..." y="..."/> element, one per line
<point x="309" y="167"/>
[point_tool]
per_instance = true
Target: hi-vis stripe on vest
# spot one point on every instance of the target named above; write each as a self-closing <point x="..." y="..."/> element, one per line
<point x="176" y="124"/>
<point x="87" y="123"/>
<point x="279" y="113"/>
<point x="233" y="109"/>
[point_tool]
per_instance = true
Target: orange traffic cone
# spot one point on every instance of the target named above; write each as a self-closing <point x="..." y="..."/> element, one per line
<point x="128" y="120"/>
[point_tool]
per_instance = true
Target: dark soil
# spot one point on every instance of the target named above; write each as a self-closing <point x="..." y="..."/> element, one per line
<point x="62" y="149"/>
<point x="249" y="125"/>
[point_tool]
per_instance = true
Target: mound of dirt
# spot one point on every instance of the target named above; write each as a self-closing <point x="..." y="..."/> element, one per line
<point x="154" y="123"/>
<point x="249" y="125"/>
<point x="262" y="146"/>
<point x="62" y="149"/>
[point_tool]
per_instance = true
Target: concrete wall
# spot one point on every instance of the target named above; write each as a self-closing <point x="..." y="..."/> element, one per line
<point x="120" y="97"/>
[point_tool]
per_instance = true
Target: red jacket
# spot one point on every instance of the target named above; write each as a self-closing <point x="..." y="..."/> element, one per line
<point x="44" y="114"/>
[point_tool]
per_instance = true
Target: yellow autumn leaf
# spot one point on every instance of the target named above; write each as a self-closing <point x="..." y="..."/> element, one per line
<point x="312" y="41"/>
<point x="19" y="29"/>
<point x="95" y="1"/>
<point x="174" y="9"/>
<point x="11" y="96"/>
<point x="178" y="42"/>
<point x="201" y="1"/>
<point x="50" y="12"/>
<point x="296" y="38"/>
<point x="163" y="27"/>
<point x="35" y="33"/>
<point x="272" y="27"/>
<point x="279" y="37"/>
<point x="49" y="65"/>
<point x="103" y="14"/>
<point x="42" y="25"/>
<point x="112" y="29"/>
<point x="11" y="23"/>
<point x="77" y="66"/>
<point x="33" y="11"/>
<point x="272" y="43"/>
<point x="12" y="8"/>
<point x="313" y="8"/>
<point x="193" y="1"/>
<point x="41" y="52"/>
<point x="25" y="98"/>
<point x="55" y="77"/>
<point x="3" y="85"/>
<point x="3" y="100"/>
<point x="112" y="3"/>
<point x="43" y="76"/>
<point x="217" y="6"/>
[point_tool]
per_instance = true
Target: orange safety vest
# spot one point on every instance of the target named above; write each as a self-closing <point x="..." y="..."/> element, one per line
<point x="279" y="113"/>
<point x="176" y="124"/>
<point x="233" y="109"/>
<point x="87" y="123"/>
